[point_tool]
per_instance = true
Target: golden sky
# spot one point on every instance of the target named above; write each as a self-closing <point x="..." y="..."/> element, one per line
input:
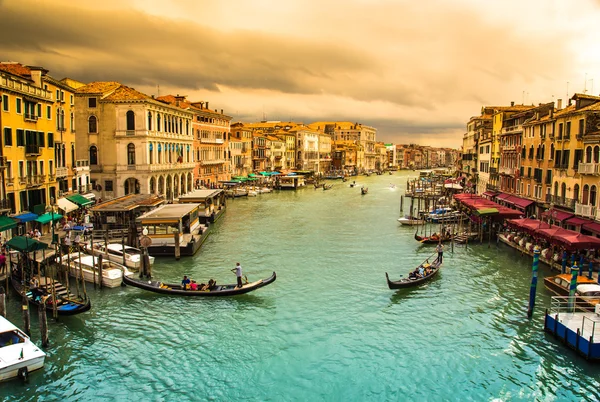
<point x="415" y="70"/>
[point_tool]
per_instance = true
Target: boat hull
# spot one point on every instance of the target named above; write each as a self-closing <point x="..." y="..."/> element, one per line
<point x="12" y="370"/>
<point x="408" y="283"/>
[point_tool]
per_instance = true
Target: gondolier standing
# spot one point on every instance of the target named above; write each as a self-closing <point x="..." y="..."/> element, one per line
<point x="238" y="274"/>
<point x="440" y="250"/>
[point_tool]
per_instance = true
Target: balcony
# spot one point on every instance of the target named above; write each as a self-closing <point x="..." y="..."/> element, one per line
<point x="86" y="188"/>
<point x="61" y="171"/>
<point x="30" y="117"/>
<point x="508" y="147"/>
<point x="32" y="150"/>
<point x="35" y="180"/>
<point x="10" y="181"/>
<point x="588" y="168"/>
<point x="212" y="140"/>
<point x="51" y="177"/>
<point x="5" y="204"/>
<point x="561" y="201"/>
<point x="588" y="211"/>
<point x="22" y="179"/>
<point x="96" y="168"/>
<point x="506" y="170"/>
<point x="512" y="130"/>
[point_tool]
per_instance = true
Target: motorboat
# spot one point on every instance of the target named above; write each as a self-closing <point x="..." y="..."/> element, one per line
<point x="86" y="266"/>
<point x="115" y="252"/>
<point x="18" y="355"/>
<point x="444" y="214"/>
<point x="411" y="221"/>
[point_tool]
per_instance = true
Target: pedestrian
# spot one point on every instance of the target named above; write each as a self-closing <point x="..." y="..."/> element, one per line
<point x="3" y="261"/>
<point x="440" y="250"/>
<point x="238" y="274"/>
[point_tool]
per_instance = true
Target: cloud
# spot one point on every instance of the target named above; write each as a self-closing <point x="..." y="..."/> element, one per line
<point x="407" y="67"/>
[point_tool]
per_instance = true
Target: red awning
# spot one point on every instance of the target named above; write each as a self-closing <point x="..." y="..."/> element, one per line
<point x="557" y="215"/>
<point x="577" y="221"/>
<point x="593" y="227"/>
<point x="518" y="201"/>
<point x="490" y="194"/>
<point x="502" y="196"/>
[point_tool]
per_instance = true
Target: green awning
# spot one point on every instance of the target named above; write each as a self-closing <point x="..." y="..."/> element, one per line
<point x="486" y="211"/>
<point x="48" y="217"/>
<point x="79" y="200"/>
<point x="251" y="175"/>
<point x="22" y="243"/>
<point x="7" y="223"/>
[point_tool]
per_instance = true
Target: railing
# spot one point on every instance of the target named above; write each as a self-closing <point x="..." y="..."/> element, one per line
<point x="561" y="201"/>
<point x="5" y="204"/>
<point x="589" y="211"/>
<point x="129" y="132"/>
<point x="51" y="177"/>
<point x="212" y="140"/>
<point x="507" y="170"/>
<point x="82" y="163"/>
<point x="95" y="168"/>
<point x="10" y="181"/>
<point x="35" y="180"/>
<point x="30" y="117"/>
<point x="86" y="188"/>
<point x="512" y="129"/>
<point x="61" y="171"/>
<point x="508" y="147"/>
<point x="22" y="179"/>
<point x="588" y="168"/>
<point x="32" y="150"/>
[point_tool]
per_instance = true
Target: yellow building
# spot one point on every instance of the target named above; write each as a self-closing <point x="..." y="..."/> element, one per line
<point x="29" y="128"/>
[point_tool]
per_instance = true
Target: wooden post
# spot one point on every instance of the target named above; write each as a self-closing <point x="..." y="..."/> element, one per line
<point x="25" y="309"/>
<point x="43" y="319"/>
<point x="177" y="249"/>
<point x="54" y="299"/>
<point x="123" y="248"/>
<point x="401" y="204"/>
<point x="100" y="277"/>
<point x="93" y="258"/>
<point x="147" y="263"/>
<point x="81" y="273"/>
<point x="2" y="302"/>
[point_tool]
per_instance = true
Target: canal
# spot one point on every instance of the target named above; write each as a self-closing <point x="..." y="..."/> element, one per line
<point x="328" y="328"/>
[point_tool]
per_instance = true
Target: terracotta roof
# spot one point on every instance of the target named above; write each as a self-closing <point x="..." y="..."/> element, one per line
<point x="16" y="69"/>
<point x="98" y="87"/>
<point x="172" y="100"/>
<point x="126" y="93"/>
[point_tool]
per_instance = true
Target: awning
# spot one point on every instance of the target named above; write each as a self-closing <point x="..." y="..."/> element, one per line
<point x="518" y="201"/>
<point x="49" y="217"/>
<point x="502" y="196"/>
<point x="490" y="194"/>
<point x="7" y="223"/>
<point x="593" y="227"/>
<point x="26" y="217"/>
<point x="23" y="243"/>
<point x="90" y="196"/>
<point x="66" y="205"/>
<point x="487" y="211"/>
<point x="557" y="214"/>
<point x="577" y="221"/>
<point x="79" y="200"/>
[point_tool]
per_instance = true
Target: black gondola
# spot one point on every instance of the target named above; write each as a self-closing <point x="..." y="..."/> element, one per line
<point x="432" y="239"/>
<point x="413" y="280"/>
<point x="364" y="190"/>
<point x="215" y="291"/>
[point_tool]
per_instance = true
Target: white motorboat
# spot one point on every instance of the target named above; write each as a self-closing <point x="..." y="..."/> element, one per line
<point x="115" y="251"/>
<point x="18" y="355"/>
<point x="87" y="265"/>
<point x="411" y="221"/>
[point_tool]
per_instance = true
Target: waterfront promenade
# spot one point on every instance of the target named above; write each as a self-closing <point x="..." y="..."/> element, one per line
<point x="329" y="328"/>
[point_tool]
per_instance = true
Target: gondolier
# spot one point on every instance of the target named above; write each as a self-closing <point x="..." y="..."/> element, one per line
<point x="440" y="250"/>
<point x="238" y="274"/>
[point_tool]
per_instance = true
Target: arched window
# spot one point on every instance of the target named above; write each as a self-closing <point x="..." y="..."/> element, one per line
<point x="551" y="156"/>
<point x="563" y="192"/>
<point x="576" y="192"/>
<point x="149" y="121"/>
<point x="72" y="121"/>
<point x="555" y="189"/>
<point x="130" y="120"/>
<point x="152" y="185"/>
<point x="596" y="154"/>
<point x="593" y="196"/>
<point x="92" y="124"/>
<point x="93" y="155"/>
<point x="588" y="155"/>
<point x="151" y="153"/>
<point x="585" y="195"/>
<point x="157" y="121"/>
<point x="131" y="154"/>
<point x="543" y="151"/>
<point x="62" y="120"/>
<point x="57" y="119"/>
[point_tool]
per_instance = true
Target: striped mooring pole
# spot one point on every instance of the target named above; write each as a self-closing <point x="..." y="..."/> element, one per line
<point x="563" y="268"/>
<point x="581" y="259"/>
<point x="534" y="277"/>
<point x="573" y="287"/>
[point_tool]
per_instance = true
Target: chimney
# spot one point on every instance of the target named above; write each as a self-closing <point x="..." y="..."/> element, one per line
<point x="207" y="105"/>
<point x="559" y="104"/>
<point x="569" y="101"/>
<point x="36" y="76"/>
<point x="512" y="103"/>
<point x="221" y="111"/>
<point x="551" y="114"/>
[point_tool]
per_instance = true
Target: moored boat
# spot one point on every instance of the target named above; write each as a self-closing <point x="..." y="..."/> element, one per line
<point x="433" y="239"/>
<point x="411" y="221"/>
<point x="18" y="355"/>
<point x="214" y="291"/>
<point x="115" y="252"/>
<point x="560" y="285"/>
<point x="86" y="265"/>
<point x="414" y="279"/>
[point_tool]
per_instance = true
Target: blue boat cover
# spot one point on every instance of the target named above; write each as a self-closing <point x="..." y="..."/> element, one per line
<point x="68" y="307"/>
<point x="26" y="217"/>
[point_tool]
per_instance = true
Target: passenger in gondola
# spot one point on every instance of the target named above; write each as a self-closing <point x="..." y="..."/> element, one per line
<point x="185" y="283"/>
<point x="421" y="272"/>
<point x="211" y="284"/>
<point x="193" y="285"/>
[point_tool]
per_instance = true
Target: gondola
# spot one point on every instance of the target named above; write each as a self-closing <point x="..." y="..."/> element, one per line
<point x="215" y="291"/>
<point x="364" y="190"/>
<point x="67" y="304"/>
<point x="432" y="240"/>
<point x="327" y="186"/>
<point x="413" y="280"/>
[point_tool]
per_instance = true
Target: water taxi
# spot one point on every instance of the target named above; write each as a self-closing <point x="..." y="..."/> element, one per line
<point x="119" y="253"/>
<point x="213" y="201"/>
<point x="86" y="266"/>
<point x="18" y="355"/>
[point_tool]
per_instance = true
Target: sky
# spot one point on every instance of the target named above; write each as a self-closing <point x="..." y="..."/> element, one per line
<point x="414" y="70"/>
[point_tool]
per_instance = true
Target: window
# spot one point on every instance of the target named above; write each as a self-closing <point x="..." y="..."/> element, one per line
<point x="20" y="138"/>
<point x="91" y="102"/>
<point x="149" y="121"/>
<point x="131" y="154"/>
<point x="73" y="154"/>
<point x="50" y="140"/>
<point x="108" y="185"/>
<point x="49" y="112"/>
<point x="5" y="103"/>
<point x="93" y="155"/>
<point x="92" y="124"/>
<point x="41" y="140"/>
<point x="568" y="130"/>
<point x="72" y="122"/>
<point x="39" y="110"/>
<point x="19" y="111"/>
<point x="560" y="131"/>
<point x="21" y="169"/>
<point x="581" y="127"/>
<point x="7" y="136"/>
<point x="130" y="120"/>
<point x="578" y="158"/>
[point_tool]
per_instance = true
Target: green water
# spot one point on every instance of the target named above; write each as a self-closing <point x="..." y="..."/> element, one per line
<point x="328" y="329"/>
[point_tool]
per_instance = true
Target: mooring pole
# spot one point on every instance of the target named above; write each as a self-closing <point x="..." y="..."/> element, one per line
<point x="573" y="287"/>
<point x="43" y="319"/>
<point x="25" y="308"/>
<point x="563" y="268"/>
<point x="534" y="277"/>
<point x="581" y="263"/>
<point x="590" y="269"/>
<point x="2" y="302"/>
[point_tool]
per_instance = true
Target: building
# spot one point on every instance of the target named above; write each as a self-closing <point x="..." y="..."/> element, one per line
<point x="136" y="144"/>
